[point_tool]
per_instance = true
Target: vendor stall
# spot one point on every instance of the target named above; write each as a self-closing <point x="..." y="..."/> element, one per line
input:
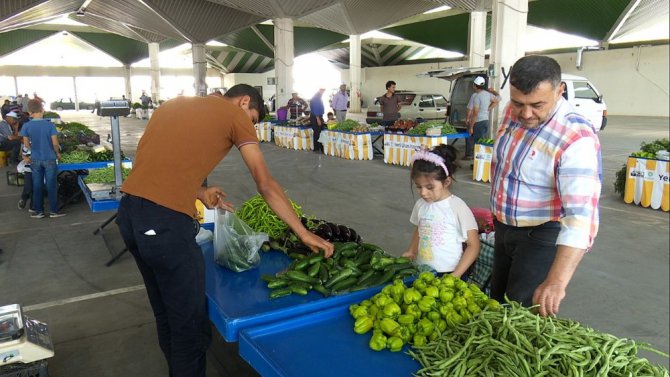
<point x="648" y="183"/>
<point x="294" y="137"/>
<point x="349" y="145"/>
<point x="399" y="148"/>
<point x="264" y="130"/>
<point x="481" y="170"/>
<point x="240" y="300"/>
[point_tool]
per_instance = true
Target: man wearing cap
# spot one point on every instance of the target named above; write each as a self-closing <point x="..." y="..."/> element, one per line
<point x="10" y="141"/>
<point x="483" y="101"/>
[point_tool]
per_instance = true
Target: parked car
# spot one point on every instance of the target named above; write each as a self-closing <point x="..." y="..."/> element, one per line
<point x="579" y="91"/>
<point x="68" y="104"/>
<point x="417" y="106"/>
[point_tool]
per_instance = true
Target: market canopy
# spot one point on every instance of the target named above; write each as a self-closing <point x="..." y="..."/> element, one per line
<point x="121" y="28"/>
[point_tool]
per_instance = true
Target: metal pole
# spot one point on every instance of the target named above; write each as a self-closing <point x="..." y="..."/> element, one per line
<point x="116" y="144"/>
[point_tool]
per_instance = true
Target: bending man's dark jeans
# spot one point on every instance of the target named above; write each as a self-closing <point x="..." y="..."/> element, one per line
<point x="316" y="132"/>
<point x="172" y="265"/>
<point x="522" y="258"/>
<point x="478" y="132"/>
<point x="12" y="146"/>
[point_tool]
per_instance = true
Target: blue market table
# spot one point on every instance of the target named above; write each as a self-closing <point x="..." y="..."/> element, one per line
<point x="319" y="344"/>
<point x="240" y="300"/>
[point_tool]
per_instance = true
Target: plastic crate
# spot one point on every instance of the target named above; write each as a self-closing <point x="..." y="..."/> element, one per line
<point x="14" y="178"/>
<point x="34" y="369"/>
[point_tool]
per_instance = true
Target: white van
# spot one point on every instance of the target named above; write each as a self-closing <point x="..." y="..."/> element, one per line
<point x="579" y="91"/>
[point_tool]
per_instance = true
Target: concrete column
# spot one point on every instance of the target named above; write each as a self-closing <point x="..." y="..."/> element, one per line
<point x="283" y="60"/>
<point x="76" y="97"/>
<point x="199" y="69"/>
<point x="155" y="71"/>
<point x="477" y="39"/>
<point x="508" y="28"/>
<point x="126" y="79"/>
<point x="355" y="73"/>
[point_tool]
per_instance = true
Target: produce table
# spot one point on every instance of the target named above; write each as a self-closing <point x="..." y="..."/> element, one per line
<point x="294" y="137"/>
<point x="264" y="130"/>
<point x="399" y="148"/>
<point x="348" y="145"/>
<point x="648" y="183"/>
<point x="482" y="162"/>
<point x="96" y="205"/>
<point x="92" y="165"/>
<point x="239" y="300"/>
<point x="319" y="344"/>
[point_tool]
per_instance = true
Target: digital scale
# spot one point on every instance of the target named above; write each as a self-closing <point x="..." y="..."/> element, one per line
<point x="23" y="341"/>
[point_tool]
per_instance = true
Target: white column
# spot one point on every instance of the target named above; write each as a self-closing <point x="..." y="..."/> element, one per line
<point x="283" y="60"/>
<point x="477" y="39"/>
<point x="355" y="73"/>
<point x="199" y="69"/>
<point x="126" y="79"/>
<point x="508" y="28"/>
<point x="16" y="86"/>
<point x="76" y="97"/>
<point x="154" y="69"/>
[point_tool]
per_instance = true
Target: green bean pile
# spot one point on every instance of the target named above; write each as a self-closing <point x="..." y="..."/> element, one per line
<point x="75" y="157"/>
<point x="256" y="213"/>
<point x="105" y="175"/>
<point x="514" y="341"/>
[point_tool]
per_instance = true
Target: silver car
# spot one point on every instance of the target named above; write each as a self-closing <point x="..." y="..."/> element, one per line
<point x="417" y="106"/>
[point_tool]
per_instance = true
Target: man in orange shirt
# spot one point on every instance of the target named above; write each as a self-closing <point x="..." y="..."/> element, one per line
<point x="156" y="214"/>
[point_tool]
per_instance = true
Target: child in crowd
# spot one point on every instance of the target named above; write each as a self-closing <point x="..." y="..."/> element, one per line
<point x="27" y="193"/>
<point x="443" y="221"/>
<point x="40" y="136"/>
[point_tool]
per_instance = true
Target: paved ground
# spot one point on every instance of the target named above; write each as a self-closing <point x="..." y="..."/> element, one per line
<point x="101" y="322"/>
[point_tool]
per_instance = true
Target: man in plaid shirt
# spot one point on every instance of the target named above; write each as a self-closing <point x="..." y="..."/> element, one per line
<point x="545" y="188"/>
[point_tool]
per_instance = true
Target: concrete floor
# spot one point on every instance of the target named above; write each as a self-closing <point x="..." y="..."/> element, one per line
<point x="101" y="322"/>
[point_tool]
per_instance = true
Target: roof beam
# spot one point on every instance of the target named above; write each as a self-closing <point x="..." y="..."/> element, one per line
<point x="375" y="50"/>
<point x="622" y="20"/>
<point x="263" y="39"/>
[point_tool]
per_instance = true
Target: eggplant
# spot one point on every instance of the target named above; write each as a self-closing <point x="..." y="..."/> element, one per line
<point x="353" y="236"/>
<point x="324" y="232"/>
<point x="345" y="234"/>
<point x="335" y="231"/>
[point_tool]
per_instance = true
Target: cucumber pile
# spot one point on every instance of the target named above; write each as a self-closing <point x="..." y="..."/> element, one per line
<point x="352" y="267"/>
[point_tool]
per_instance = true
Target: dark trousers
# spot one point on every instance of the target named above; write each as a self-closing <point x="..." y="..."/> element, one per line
<point x="316" y="129"/>
<point x="173" y="269"/>
<point x="478" y="132"/>
<point x="521" y="261"/>
<point x="27" y="192"/>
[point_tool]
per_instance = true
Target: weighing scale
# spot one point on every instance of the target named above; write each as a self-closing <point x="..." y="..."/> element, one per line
<point x="24" y="342"/>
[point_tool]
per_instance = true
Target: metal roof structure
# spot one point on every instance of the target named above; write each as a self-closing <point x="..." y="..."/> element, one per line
<point x="122" y="28"/>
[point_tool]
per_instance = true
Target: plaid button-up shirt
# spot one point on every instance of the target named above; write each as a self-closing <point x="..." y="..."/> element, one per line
<point x="548" y="173"/>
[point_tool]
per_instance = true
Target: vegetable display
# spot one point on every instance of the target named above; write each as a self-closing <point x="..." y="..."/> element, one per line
<point x="514" y="341"/>
<point x="430" y="307"/>
<point x="352" y="267"/>
<point x="105" y="175"/>
<point x="256" y="213"/>
<point x="485" y="141"/>
<point x="75" y="156"/>
<point x="348" y="125"/>
<point x="332" y="232"/>
<point x="650" y="150"/>
<point x="420" y="129"/>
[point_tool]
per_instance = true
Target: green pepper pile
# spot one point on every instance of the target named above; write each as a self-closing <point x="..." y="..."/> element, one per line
<point x="400" y="315"/>
<point x="420" y="129"/>
<point x="352" y="267"/>
<point x="256" y="213"/>
<point x="485" y="141"/>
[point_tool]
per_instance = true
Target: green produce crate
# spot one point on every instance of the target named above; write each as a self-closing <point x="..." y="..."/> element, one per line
<point x="14" y="178"/>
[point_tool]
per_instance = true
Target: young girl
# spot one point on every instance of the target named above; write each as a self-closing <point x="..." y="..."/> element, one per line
<point x="443" y="221"/>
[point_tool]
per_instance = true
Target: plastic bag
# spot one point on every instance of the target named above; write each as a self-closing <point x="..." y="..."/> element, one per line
<point x="236" y="245"/>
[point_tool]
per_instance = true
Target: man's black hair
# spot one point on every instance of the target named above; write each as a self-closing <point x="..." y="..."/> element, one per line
<point x="528" y="72"/>
<point x="389" y="83"/>
<point x="256" y="102"/>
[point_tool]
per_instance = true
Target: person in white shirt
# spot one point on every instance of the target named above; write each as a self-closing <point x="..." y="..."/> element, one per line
<point x="339" y="104"/>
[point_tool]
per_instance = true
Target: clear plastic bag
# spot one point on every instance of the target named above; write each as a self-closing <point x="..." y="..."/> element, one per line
<point x="236" y="245"/>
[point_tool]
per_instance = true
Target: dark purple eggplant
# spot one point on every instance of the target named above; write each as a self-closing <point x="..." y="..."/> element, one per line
<point x="324" y="231"/>
<point x="335" y="231"/>
<point x="345" y="234"/>
<point x="353" y="236"/>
